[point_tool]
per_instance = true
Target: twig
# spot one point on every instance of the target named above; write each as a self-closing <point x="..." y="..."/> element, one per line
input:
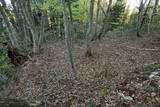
<point x="152" y="63"/>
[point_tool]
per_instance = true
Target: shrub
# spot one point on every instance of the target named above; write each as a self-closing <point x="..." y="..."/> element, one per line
<point x="7" y="70"/>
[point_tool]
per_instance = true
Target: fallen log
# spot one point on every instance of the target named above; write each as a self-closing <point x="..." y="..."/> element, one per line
<point x="142" y="49"/>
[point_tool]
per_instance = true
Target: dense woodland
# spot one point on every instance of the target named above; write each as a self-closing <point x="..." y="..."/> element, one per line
<point x="79" y="53"/>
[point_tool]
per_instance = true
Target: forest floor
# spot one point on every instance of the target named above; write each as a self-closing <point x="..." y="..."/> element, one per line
<point x="114" y="76"/>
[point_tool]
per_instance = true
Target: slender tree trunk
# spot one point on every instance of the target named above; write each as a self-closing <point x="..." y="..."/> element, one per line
<point x="105" y="25"/>
<point x="72" y="27"/>
<point x="152" y="15"/>
<point x="88" y="52"/>
<point x="67" y="38"/>
<point x="25" y="5"/>
<point x="145" y="13"/>
<point x="59" y="26"/>
<point x="97" y="18"/>
<point x="10" y="29"/>
<point x="141" y="18"/>
<point x="43" y="24"/>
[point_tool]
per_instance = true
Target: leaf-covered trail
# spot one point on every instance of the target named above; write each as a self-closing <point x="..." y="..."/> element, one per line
<point x="45" y="76"/>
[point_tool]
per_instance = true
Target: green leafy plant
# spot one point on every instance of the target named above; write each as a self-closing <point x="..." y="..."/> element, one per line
<point x="91" y="103"/>
<point x="7" y="70"/>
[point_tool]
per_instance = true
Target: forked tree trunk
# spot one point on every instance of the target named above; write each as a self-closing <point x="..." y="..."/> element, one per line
<point x="67" y="38"/>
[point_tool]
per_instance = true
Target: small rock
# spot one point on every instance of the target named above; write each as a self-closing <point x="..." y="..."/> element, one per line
<point x="125" y="97"/>
<point x="153" y="94"/>
<point x="153" y="74"/>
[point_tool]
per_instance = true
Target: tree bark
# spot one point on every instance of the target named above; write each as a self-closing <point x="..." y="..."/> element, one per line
<point x="72" y="27"/>
<point x="152" y="15"/>
<point x="26" y="8"/>
<point x="97" y="17"/>
<point x="88" y="52"/>
<point x="140" y="17"/>
<point x="10" y="29"/>
<point x="67" y="38"/>
<point x="105" y="25"/>
<point x="145" y="13"/>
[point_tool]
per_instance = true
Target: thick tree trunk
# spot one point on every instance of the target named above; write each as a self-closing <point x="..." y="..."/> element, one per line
<point x="67" y="38"/>
<point x="88" y="52"/>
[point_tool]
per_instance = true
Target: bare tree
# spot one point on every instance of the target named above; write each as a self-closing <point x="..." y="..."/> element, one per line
<point x="67" y="38"/>
<point x="88" y="52"/>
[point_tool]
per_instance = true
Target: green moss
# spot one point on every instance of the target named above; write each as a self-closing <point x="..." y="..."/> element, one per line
<point x="66" y="82"/>
<point x="150" y="89"/>
<point x="148" y="69"/>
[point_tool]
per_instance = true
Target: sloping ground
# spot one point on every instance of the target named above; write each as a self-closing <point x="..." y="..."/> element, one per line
<point x="45" y="77"/>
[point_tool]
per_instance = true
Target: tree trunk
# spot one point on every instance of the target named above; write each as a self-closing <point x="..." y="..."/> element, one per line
<point x="67" y="38"/>
<point x="72" y="27"/>
<point x="25" y="5"/>
<point x="88" y="52"/>
<point x="140" y="17"/>
<point x="105" y="25"/>
<point x="145" y="13"/>
<point x="97" y="18"/>
<point x="152" y="15"/>
<point x="10" y="29"/>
